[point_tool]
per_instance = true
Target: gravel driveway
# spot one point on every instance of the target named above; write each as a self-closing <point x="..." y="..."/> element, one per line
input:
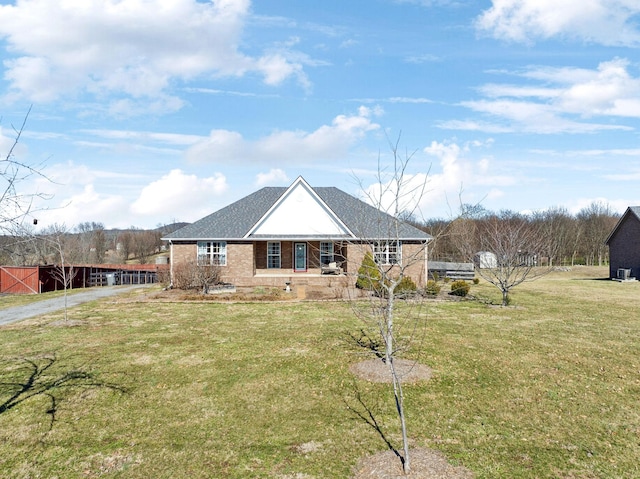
<point x="37" y="308"/>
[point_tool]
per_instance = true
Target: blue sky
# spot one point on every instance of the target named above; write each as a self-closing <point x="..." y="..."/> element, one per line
<point x="146" y="112"/>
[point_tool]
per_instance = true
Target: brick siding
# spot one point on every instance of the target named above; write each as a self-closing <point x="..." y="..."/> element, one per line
<point x="246" y="269"/>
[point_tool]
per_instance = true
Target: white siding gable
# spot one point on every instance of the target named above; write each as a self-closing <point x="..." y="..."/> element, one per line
<point x="299" y="212"/>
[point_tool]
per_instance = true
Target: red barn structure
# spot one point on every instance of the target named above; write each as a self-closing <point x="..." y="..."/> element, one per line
<point x="43" y="279"/>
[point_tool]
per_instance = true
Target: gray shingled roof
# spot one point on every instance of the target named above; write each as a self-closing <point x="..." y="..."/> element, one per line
<point x="237" y="219"/>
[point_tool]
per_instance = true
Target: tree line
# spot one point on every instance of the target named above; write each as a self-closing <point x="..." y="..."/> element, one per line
<point x="86" y="243"/>
<point x="562" y="238"/>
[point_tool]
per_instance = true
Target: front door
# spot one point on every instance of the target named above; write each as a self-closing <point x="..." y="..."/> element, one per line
<point x="300" y="257"/>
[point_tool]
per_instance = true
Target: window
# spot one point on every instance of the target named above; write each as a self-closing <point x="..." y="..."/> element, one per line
<point x="212" y="253"/>
<point x="273" y="254"/>
<point x="387" y="252"/>
<point x="326" y="253"/>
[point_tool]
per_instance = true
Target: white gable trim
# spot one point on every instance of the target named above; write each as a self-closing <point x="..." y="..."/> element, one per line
<point x="300" y="212"/>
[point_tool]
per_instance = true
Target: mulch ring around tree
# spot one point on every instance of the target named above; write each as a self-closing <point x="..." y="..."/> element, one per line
<point x="377" y="371"/>
<point x="425" y="463"/>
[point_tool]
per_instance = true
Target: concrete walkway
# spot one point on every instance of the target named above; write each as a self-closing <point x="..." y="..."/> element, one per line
<point x="38" y="308"/>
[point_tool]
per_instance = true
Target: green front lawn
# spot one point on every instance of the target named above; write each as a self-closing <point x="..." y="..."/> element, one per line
<point x="548" y="388"/>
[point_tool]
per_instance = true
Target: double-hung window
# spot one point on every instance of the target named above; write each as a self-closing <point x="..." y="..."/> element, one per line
<point x="273" y="254"/>
<point x="212" y="253"/>
<point x="326" y="253"/>
<point x="387" y="252"/>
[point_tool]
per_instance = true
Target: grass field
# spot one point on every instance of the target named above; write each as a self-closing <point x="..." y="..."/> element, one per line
<point x="139" y="388"/>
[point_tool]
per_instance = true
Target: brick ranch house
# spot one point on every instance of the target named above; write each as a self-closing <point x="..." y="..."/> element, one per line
<point x="624" y="245"/>
<point x="298" y="235"/>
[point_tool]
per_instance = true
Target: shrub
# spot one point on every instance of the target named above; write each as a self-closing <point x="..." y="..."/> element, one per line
<point x="405" y="286"/>
<point x="460" y="288"/>
<point x="368" y="274"/>
<point x="433" y="288"/>
<point x="476" y="280"/>
<point x="189" y="275"/>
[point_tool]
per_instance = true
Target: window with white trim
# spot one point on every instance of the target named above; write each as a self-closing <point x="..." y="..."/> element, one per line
<point x="326" y="253"/>
<point x="273" y="254"/>
<point x="212" y="253"/>
<point x="387" y="252"/>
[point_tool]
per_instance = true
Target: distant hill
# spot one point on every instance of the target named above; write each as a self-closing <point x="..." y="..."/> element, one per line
<point x="167" y="229"/>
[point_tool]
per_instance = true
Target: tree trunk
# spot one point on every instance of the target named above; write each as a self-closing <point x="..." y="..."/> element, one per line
<point x="505" y="297"/>
<point x="399" y="397"/>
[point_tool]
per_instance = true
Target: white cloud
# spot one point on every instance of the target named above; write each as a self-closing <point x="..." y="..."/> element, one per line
<point x="273" y="176"/>
<point x="617" y="205"/>
<point x="608" y="22"/>
<point x="456" y="178"/>
<point x="82" y="205"/>
<point x="424" y="58"/>
<point x="151" y="136"/>
<point x="564" y="102"/>
<point x="328" y="142"/>
<point x="137" y="48"/>
<point x="406" y="196"/>
<point x="179" y="195"/>
<point x="463" y="179"/>
<point x="80" y="193"/>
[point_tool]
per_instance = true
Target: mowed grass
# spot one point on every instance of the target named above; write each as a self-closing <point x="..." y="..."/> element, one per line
<point x="548" y="388"/>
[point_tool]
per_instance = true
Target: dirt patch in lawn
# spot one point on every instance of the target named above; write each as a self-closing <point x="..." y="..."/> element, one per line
<point x="68" y="323"/>
<point x="425" y="464"/>
<point x="377" y="371"/>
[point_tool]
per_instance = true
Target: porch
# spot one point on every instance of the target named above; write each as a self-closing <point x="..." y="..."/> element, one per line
<point x="300" y="258"/>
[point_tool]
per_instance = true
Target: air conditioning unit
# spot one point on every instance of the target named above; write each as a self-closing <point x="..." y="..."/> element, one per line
<point x="624" y="274"/>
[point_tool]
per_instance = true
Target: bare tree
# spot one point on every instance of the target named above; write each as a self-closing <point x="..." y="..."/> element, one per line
<point x="597" y="221"/>
<point x="18" y="247"/>
<point x="99" y="243"/>
<point x="63" y="272"/>
<point x="516" y="245"/>
<point x="194" y="275"/>
<point x="15" y="204"/>
<point x="125" y="245"/>
<point x="385" y="272"/>
<point x="90" y="243"/>
<point x="557" y="225"/>
<point x="144" y="245"/>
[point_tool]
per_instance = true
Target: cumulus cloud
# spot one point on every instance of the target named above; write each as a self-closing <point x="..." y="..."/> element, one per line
<point x="273" y="176"/>
<point x="135" y="48"/>
<point x="79" y="193"/>
<point x="564" y="101"/>
<point x="86" y="205"/>
<point x="427" y="193"/>
<point x="607" y="22"/>
<point x="328" y="142"/>
<point x="459" y="173"/>
<point x="177" y="194"/>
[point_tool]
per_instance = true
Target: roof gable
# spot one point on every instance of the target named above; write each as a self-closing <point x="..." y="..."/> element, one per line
<point x="631" y="212"/>
<point x="299" y="212"/>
